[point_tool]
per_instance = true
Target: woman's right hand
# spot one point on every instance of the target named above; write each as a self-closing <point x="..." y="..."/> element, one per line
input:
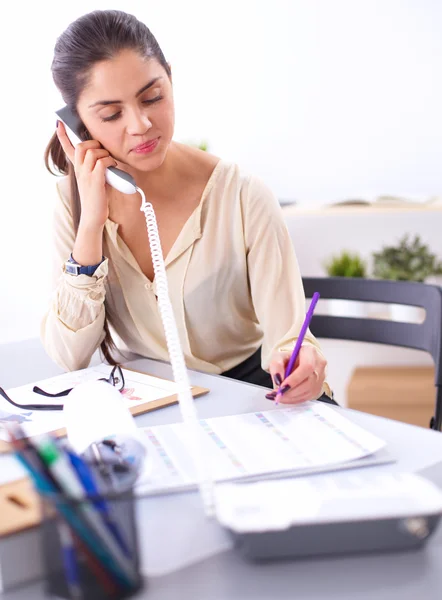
<point x="90" y="161"/>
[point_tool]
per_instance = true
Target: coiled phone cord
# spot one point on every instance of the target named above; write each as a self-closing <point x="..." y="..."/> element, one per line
<point x="185" y="398"/>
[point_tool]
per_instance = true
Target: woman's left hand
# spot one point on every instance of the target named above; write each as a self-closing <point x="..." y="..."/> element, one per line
<point x="305" y="381"/>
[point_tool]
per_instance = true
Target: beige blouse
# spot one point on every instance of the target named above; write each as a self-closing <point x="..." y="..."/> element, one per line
<point x="233" y="278"/>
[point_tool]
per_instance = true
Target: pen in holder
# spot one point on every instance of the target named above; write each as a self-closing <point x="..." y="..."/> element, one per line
<point x="90" y="546"/>
<point x="88" y="534"/>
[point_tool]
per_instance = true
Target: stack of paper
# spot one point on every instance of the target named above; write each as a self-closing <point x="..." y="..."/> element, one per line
<point x="301" y="439"/>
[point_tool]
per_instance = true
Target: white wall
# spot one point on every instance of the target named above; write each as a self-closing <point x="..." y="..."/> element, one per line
<point x="324" y="99"/>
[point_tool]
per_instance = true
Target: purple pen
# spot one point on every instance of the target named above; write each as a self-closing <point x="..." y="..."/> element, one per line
<point x="297" y="348"/>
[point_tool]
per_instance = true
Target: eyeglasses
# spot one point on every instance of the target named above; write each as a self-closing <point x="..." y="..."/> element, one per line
<point x="116" y="379"/>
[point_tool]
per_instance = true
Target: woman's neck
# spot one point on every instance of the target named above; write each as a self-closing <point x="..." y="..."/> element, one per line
<point x="163" y="181"/>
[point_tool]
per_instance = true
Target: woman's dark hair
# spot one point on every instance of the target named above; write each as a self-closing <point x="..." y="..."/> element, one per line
<point x="93" y="38"/>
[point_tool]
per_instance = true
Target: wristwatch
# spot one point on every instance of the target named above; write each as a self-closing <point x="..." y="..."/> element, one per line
<point x="72" y="267"/>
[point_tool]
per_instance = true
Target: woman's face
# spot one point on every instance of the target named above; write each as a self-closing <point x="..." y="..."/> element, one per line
<point x="128" y="107"/>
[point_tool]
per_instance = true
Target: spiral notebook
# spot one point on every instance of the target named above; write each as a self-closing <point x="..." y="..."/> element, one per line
<point x="142" y="392"/>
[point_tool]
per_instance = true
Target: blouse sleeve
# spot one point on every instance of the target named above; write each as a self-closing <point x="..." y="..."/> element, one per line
<point x="275" y="280"/>
<point x="72" y="328"/>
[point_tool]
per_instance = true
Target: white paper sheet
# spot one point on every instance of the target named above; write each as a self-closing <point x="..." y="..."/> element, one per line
<point x="138" y="389"/>
<point x="254" y="444"/>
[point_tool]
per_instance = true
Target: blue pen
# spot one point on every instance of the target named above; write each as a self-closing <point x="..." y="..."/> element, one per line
<point x="69" y="560"/>
<point x="87" y="479"/>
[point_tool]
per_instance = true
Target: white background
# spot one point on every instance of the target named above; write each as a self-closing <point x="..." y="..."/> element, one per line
<point x="324" y="99"/>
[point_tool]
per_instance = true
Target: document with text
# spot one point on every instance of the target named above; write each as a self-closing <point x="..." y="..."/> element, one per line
<point x="279" y="441"/>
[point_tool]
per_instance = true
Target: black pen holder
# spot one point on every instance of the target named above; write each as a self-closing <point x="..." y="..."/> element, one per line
<point x="90" y="547"/>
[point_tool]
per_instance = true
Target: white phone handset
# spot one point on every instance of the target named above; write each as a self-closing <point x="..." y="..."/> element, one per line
<point x="120" y="180"/>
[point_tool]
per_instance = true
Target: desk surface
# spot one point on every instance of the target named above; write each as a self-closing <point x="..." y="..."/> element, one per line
<point x="215" y="571"/>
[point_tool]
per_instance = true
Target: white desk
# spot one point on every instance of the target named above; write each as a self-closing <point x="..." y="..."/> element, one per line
<point x="174" y="521"/>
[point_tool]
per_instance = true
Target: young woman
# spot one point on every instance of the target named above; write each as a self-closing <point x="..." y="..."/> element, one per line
<point x="233" y="277"/>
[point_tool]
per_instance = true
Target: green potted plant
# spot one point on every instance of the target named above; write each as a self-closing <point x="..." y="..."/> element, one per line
<point x="202" y="145"/>
<point x="409" y="260"/>
<point x="346" y="264"/>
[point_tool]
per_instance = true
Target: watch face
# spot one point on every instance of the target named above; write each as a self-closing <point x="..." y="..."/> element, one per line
<point x="71" y="268"/>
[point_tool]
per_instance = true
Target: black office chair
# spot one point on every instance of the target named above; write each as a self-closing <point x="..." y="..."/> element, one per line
<point x="422" y="336"/>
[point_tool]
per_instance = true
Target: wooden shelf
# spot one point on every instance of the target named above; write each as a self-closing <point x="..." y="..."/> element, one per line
<point x="371" y="209"/>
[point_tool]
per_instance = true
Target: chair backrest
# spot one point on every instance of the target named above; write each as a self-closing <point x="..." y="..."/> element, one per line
<point x="425" y="336"/>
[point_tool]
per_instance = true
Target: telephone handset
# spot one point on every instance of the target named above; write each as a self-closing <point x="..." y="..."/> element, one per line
<point x="120" y="180"/>
<point x="125" y="183"/>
